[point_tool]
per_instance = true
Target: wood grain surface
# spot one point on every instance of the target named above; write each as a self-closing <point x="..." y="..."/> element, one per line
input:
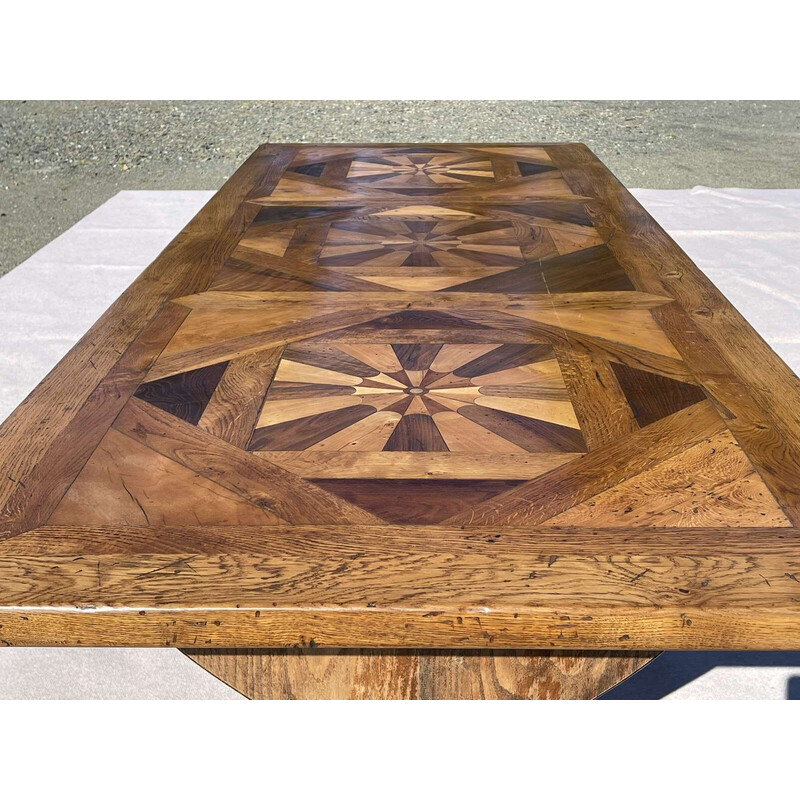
<point x="419" y="674"/>
<point x="401" y="397"/>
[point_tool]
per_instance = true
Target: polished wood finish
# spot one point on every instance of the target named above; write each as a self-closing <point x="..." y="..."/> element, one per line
<point x="419" y="674"/>
<point x="410" y="396"/>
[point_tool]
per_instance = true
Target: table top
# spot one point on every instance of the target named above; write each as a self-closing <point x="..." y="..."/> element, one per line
<point x="463" y="396"/>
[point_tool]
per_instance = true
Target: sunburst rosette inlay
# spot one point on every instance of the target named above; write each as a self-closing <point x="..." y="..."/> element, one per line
<point x="474" y="398"/>
<point x="422" y="170"/>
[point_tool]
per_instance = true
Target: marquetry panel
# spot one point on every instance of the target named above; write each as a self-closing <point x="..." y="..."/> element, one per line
<point x="428" y="352"/>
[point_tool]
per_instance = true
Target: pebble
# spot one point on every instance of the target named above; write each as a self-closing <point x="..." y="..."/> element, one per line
<point x="73" y="156"/>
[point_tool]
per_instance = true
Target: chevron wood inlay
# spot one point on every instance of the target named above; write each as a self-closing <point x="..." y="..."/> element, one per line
<point x="410" y="396"/>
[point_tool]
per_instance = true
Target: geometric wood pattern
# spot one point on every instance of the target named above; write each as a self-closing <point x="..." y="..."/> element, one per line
<point x="410" y="396"/>
<point x="405" y="398"/>
<point x="652" y="396"/>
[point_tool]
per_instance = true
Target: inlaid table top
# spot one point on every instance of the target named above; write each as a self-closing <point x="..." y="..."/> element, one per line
<point x="381" y="396"/>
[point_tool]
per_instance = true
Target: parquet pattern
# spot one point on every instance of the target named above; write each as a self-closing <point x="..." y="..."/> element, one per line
<point x="449" y="335"/>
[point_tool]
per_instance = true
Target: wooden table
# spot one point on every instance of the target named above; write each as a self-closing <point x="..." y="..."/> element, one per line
<point x="410" y="421"/>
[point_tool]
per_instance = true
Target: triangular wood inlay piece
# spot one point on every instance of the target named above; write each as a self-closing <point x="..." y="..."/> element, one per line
<point x="415" y="502"/>
<point x="711" y="484"/>
<point x="520" y="280"/>
<point x="315" y="170"/>
<point x="420" y="319"/>
<point x="533" y="435"/>
<point x="184" y="395"/>
<point x="329" y="357"/>
<point x="416" y="433"/>
<point x="127" y="483"/>
<point x="276" y="214"/>
<point x="504" y="357"/>
<point x="653" y="397"/>
<point x="270" y="239"/>
<point x="298" y="434"/>
<point x="594" y="269"/>
<point x="416" y="356"/>
<point x="304" y="188"/>
<point x="235" y="279"/>
<point x="526" y="168"/>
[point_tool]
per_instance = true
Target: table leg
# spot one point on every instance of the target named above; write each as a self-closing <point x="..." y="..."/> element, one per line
<point x="329" y="674"/>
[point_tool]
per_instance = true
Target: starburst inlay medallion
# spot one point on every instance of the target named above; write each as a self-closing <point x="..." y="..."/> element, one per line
<point x="419" y="397"/>
<point x="421" y="170"/>
<point x="434" y="243"/>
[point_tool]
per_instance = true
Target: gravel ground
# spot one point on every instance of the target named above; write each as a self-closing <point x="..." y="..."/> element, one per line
<point x="60" y="160"/>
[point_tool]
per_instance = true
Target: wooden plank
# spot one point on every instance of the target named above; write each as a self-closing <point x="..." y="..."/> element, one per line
<point x="232" y="412"/>
<point x="547" y="599"/>
<point x="702" y="629"/>
<point x="602" y="409"/>
<point x="298" y="540"/>
<point x="389" y="301"/>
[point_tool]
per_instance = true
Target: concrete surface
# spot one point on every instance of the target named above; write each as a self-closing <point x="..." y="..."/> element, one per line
<point x="745" y="240"/>
<point x="105" y="673"/>
<point x="60" y="160"/>
<point x="704" y="675"/>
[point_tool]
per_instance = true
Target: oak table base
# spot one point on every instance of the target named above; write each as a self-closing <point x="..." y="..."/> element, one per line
<point x="330" y="674"/>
